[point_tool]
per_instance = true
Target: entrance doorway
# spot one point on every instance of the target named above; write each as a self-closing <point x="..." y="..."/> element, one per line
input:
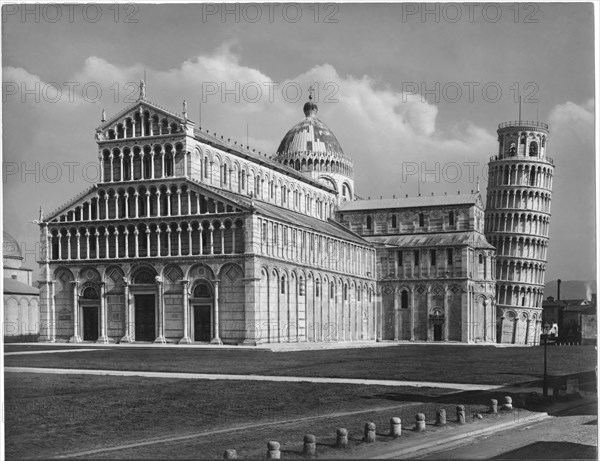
<point x="437" y="332"/>
<point x="90" y="323"/>
<point x="202" y="322"/>
<point x="145" y="318"/>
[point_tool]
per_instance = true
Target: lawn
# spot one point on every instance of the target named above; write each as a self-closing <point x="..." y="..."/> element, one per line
<point x="50" y="415"/>
<point x="437" y="363"/>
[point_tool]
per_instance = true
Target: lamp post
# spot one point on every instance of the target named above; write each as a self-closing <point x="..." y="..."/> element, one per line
<point x="546" y="330"/>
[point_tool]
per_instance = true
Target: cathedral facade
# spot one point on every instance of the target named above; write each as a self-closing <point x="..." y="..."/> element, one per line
<point x="193" y="238"/>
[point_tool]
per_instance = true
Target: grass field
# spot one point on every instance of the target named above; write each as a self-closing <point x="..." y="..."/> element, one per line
<point x="437" y="363"/>
<point x="48" y="415"/>
<point x="51" y="415"/>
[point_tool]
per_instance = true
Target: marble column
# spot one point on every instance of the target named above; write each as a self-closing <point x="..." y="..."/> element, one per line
<point x="76" y="338"/>
<point x="216" y="339"/>
<point x="186" y="314"/>
<point x="104" y="339"/>
<point x="129" y="336"/>
<point x="161" y="311"/>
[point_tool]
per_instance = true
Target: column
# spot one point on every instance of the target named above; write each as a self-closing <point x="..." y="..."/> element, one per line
<point x="131" y="175"/>
<point x="148" y="252"/>
<point x="106" y="206"/>
<point x="152" y="164"/>
<point x="103" y="316"/>
<point x="186" y="314"/>
<point x="396" y="314"/>
<point x="412" y="314"/>
<point x="129" y="320"/>
<point x="126" y="196"/>
<point x="189" y="202"/>
<point x="116" y="206"/>
<point x="216" y="339"/>
<point x="122" y="177"/>
<point x="52" y="326"/>
<point x="116" y="242"/>
<point x="211" y="228"/>
<point x="178" y="240"/>
<point x="101" y="161"/>
<point x="162" y="164"/>
<point x="68" y="245"/>
<point x="107" y="253"/>
<point x="76" y="338"/>
<point x="147" y="204"/>
<point x="136" y="232"/>
<point x="87" y="244"/>
<point x="446" y="316"/>
<point x="179" y="202"/>
<point x="169" y="242"/>
<point x="168" y="203"/>
<point x="158" y="231"/>
<point x="161" y="311"/>
<point x="158" y="203"/>
<point x="136" y="195"/>
<point x="111" y="157"/>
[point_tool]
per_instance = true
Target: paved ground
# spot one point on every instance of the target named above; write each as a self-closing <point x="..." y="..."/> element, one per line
<point x="569" y="434"/>
<point x="288" y="379"/>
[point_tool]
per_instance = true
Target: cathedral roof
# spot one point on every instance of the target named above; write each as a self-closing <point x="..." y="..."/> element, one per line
<point x="474" y="239"/>
<point x="412" y="202"/>
<point x="10" y="247"/>
<point x="15" y="287"/>
<point x="310" y="135"/>
<point x="310" y="138"/>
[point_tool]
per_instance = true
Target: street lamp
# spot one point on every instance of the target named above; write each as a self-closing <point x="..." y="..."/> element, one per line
<point x="546" y="330"/>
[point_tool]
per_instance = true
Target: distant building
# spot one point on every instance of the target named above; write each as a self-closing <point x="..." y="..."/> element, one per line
<point x="576" y="319"/>
<point x="21" y="299"/>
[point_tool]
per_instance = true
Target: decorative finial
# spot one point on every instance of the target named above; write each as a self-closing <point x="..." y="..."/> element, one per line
<point x="184" y="109"/>
<point x="103" y="116"/>
<point x="310" y="108"/>
<point x="142" y="89"/>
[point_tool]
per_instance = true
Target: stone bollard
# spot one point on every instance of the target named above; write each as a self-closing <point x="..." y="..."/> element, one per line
<point x="420" y="425"/>
<point x="230" y="454"/>
<point x="440" y="417"/>
<point x="310" y="445"/>
<point x="370" y="432"/>
<point x="342" y="438"/>
<point x="493" y="406"/>
<point x="507" y="403"/>
<point x="395" y="427"/>
<point x="273" y="450"/>
<point x="460" y="414"/>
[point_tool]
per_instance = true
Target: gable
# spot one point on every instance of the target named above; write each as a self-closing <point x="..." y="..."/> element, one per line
<point x="80" y="205"/>
<point x="143" y="118"/>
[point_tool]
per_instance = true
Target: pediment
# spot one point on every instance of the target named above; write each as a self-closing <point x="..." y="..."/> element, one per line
<point x="230" y="202"/>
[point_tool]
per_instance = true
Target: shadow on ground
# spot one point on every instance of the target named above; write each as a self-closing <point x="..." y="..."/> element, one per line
<point x="552" y="450"/>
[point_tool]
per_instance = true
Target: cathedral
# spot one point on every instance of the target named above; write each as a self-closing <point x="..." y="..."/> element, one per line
<point x="190" y="237"/>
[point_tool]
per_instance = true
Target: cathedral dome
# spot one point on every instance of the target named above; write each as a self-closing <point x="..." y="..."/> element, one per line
<point x="311" y="146"/>
<point x="10" y="247"/>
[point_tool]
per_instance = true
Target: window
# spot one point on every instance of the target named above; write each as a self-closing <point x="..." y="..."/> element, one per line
<point x="224" y="174"/>
<point x="449" y="256"/>
<point x="404" y="300"/>
<point x="533" y="149"/>
<point x="480" y="259"/>
<point x="523" y="138"/>
<point x="433" y="258"/>
<point x="369" y="223"/>
<point x="394" y="221"/>
<point x="282" y="285"/>
<point x="301" y="287"/>
<point x="513" y="149"/>
<point x="399" y="253"/>
<point x="358" y="293"/>
<point x="345" y="292"/>
<point x="451" y="218"/>
<point x="318" y="288"/>
<point x="421" y="220"/>
<point x="417" y="257"/>
<point x="331" y="290"/>
<point x="264" y="231"/>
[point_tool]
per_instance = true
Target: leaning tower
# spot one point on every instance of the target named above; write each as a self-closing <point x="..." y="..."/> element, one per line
<point x="517" y="219"/>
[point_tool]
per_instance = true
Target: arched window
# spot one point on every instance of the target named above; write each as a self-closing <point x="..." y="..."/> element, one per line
<point x="90" y="293"/>
<point x="358" y="293"/>
<point x="302" y="287"/>
<point x="345" y="292"/>
<point x="202" y="290"/>
<point x="205" y="167"/>
<point x="513" y="149"/>
<point x="318" y="288"/>
<point x="421" y="220"/>
<point x="282" y="285"/>
<point x="451" y="218"/>
<point x="533" y="149"/>
<point x="404" y="299"/>
<point x="394" y="221"/>
<point x="523" y="138"/>
<point x="331" y="290"/>
<point x="369" y="223"/>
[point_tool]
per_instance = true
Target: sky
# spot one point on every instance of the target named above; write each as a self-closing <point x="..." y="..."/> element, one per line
<point x="413" y="92"/>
